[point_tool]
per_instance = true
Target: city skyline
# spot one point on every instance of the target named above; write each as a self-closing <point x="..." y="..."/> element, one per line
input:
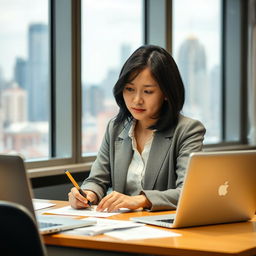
<point x="29" y="54"/>
<point x="206" y="26"/>
<point x="112" y="74"/>
<point x="18" y="15"/>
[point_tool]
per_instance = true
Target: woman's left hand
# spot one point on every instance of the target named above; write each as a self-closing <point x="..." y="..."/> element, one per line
<point x="115" y="200"/>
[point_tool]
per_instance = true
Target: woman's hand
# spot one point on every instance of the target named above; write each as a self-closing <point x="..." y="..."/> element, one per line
<point x="77" y="201"/>
<point x="115" y="200"/>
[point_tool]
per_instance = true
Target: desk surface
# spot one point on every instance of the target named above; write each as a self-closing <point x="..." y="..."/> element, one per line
<point x="225" y="239"/>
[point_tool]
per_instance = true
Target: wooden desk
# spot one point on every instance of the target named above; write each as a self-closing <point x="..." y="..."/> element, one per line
<point x="224" y="239"/>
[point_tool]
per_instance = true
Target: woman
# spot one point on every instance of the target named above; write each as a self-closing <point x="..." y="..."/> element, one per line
<point x="145" y="150"/>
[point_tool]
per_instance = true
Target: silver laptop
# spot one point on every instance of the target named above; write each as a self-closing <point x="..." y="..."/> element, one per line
<point x="15" y="187"/>
<point x="219" y="187"/>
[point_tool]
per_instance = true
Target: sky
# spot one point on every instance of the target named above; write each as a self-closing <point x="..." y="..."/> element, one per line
<point x="104" y="32"/>
<point x="15" y="17"/>
<point x="200" y="19"/>
<point x="99" y="42"/>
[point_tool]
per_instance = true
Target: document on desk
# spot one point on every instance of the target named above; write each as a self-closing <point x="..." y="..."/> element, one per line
<point x="90" y="212"/>
<point x="143" y="232"/>
<point x="41" y="205"/>
<point x="103" y="226"/>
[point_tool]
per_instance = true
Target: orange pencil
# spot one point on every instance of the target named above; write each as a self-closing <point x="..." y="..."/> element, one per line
<point x="77" y="186"/>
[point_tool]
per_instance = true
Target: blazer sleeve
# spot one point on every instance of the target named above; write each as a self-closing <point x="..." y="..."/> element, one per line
<point x="99" y="179"/>
<point x="187" y="138"/>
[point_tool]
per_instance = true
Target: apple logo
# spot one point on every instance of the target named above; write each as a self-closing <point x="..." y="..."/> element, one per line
<point x="223" y="189"/>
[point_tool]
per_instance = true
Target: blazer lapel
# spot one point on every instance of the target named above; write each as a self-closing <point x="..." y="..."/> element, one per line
<point x="123" y="156"/>
<point x="159" y="149"/>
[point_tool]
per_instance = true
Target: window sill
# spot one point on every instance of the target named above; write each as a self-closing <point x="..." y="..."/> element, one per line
<point x="86" y="167"/>
<point x="228" y="147"/>
<point x="58" y="170"/>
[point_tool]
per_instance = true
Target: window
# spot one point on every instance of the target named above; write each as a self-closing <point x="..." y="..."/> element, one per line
<point x="111" y="31"/>
<point x="42" y="79"/>
<point x="197" y="51"/>
<point x="24" y="78"/>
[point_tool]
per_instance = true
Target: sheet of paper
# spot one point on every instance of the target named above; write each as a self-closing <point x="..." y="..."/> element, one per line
<point x="41" y="205"/>
<point x="91" y="212"/>
<point x="102" y="226"/>
<point x="144" y="232"/>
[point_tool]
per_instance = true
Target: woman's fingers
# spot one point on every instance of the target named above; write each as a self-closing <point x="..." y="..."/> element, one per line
<point x="107" y="201"/>
<point x="115" y="201"/>
<point x="76" y="200"/>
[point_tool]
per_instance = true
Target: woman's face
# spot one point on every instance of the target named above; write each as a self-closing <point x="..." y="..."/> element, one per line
<point x="143" y="97"/>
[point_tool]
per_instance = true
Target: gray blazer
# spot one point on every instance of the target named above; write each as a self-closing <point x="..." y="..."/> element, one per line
<point x="165" y="168"/>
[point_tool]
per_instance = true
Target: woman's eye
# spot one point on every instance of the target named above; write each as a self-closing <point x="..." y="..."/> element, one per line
<point x="129" y="89"/>
<point x="148" y="92"/>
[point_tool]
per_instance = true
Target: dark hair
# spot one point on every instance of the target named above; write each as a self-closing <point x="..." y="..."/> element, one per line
<point x="165" y="71"/>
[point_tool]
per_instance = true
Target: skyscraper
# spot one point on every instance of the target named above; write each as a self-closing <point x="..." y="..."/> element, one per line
<point x="93" y="100"/>
<point x="20" y="72"/>
<point x="14" y="104"/>
<point x="113" y="73"/>
<point x="38" y="72"/>
<point x="192" y="65"/>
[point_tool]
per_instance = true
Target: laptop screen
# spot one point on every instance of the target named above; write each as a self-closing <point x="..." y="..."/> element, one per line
<point x="14" y="184"/>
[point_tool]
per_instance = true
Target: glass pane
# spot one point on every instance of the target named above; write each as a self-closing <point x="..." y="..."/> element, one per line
<point x="197" y="50"/>
<point x="111" y="31"/>
<point x="24" y="78"/>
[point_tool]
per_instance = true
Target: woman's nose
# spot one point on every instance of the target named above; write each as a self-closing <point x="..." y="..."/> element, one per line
<point x="138" y="99"/>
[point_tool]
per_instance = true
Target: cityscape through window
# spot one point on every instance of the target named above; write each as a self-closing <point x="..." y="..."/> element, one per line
<point x="111" y="30"/>
<point x="197" y="51"/>
<point x="24" y="78"/>
<point x="108" y="39"/>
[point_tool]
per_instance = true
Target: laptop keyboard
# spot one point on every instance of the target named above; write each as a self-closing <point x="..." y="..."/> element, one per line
<point x="48" y="224"/>
<point x="167" y="220"/>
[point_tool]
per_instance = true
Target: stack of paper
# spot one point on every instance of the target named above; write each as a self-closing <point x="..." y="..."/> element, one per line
<point x="103" y="226"/>
<point x="90" y="212"/>
<point x="120" y="229"/>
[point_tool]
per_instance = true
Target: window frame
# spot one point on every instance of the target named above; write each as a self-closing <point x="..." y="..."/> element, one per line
<point x="65" y="22"/>
<point x="231" y="124"/>
<point x="233" y="99"/>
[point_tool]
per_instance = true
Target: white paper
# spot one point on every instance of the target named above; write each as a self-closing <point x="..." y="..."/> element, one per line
<point x="41" y="205"/>
<point x="91" y="211"/>
<point x="144" y="232"/>
<point x="102" y="226"/>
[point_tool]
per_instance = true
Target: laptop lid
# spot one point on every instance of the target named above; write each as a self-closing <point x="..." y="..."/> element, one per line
<point x="219" y="187"/>
<point x="15" y="187"/>
<point x="14" y="184"/>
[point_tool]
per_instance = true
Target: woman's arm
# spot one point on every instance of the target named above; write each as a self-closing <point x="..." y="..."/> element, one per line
<point x="187" y="138"/>
<point x="99" y="179"/>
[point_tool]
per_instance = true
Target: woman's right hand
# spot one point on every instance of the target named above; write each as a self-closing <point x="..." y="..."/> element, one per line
<point x="77" y="201"/>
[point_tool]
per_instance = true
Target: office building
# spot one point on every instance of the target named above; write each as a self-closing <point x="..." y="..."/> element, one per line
<point x="38" y="72"/>
<point x="192" y="64"/>
<point x="20" y="72"/>
<point x="14" y="104"/>
<point x="93" y="100"/>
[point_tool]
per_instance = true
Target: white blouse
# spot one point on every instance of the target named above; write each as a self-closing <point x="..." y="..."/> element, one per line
<point x="136" y="170"/>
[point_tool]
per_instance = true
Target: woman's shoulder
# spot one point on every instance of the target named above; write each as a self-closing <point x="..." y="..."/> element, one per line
<point x="187" y="121"/>
<point x="185" y="128"/>
<point x="111" y="123"/>
<point x="115" y="128"/>
<point x="187" y="125"/>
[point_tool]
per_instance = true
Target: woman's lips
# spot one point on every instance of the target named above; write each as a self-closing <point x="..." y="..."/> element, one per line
<point x="138" y="110"/>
